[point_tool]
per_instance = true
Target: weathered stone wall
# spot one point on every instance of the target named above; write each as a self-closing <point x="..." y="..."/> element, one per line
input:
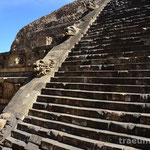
<point x="15" y="69"/>
<point x="51" y="25"/>
<point x="8" y="87"/>
<point x="19" y="63"/>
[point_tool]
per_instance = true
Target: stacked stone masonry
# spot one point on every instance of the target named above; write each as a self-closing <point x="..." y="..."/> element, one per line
<point x="99" y="98"/>
<point x="16" y="69"/>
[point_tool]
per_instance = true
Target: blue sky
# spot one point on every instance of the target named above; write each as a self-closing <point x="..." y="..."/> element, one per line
<point x="14" y="14"/>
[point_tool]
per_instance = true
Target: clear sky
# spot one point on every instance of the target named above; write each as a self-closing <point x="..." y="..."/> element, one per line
<point x="14" y="14"/>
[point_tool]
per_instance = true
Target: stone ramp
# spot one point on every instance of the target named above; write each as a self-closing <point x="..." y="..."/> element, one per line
<point x="99" y="98"/>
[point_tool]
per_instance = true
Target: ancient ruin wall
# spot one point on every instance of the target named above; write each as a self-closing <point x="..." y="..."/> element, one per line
<point x="36" y="33"/>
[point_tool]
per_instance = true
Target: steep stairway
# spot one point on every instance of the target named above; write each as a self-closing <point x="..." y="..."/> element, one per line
<point x="99" y="98"/>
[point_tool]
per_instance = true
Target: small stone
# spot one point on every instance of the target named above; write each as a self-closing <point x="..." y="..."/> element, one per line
<point x="5" y="116"/>
<point x="131" y="126"/>
<point x="100" y="145"/>
<point x="2" y="123"/>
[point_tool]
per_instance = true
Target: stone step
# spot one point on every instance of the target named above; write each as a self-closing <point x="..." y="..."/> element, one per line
<point x="84" y="110"/>
<point x="122" y="60"/>
<point x="128" y="128"/>
<point x="97" y="54"/>
<point x="119" y="5"/>
<point x="135" y="31"/>
<point x="14" y="144"/>
<point x="108" y="47"/>
<point x="95" y="134"/>
<point x="99" y="40"/>
<point x="124" y="6"/>
<point x="70" y="139"/>
<point x="108" y="42"/>
<point x="104" y="80"/>
<point x="138" y="19"/>
<point x="86" y="143"/>
<point x="104" y="73"/>
<point x="111" y="42"/>
<point x="120" y="26"/>
<point x="48" y="144"/>
<point x="114" y="36"/>
<point x="100" y="25"/>
<point x="44" y="133"/>
<point x="98" y="67"/>
<point x="32" y="141"/>
<point x="111" y="18"/>
<point x="21" y="135"/>
<point x="106" y="53"/>
<point x="107" y="39"/>
<point x="101" y="45"/>
<point x="33" y="129"/>
<point x="101" y="87"/>
<point x="25" y="136"/>
<point x="100" y="53"/>
<point x="122" y="29"/>
<point x="74" y="56"/>
<point x="123" y="12"/>
<point x="116" y="96"/>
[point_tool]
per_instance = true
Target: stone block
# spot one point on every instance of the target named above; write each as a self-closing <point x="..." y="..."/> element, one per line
<point x="2" y="123"/>
<point x="44" y="41"/>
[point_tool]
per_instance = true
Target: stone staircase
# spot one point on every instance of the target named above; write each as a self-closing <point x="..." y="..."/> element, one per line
<point x="99" y="98"/>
